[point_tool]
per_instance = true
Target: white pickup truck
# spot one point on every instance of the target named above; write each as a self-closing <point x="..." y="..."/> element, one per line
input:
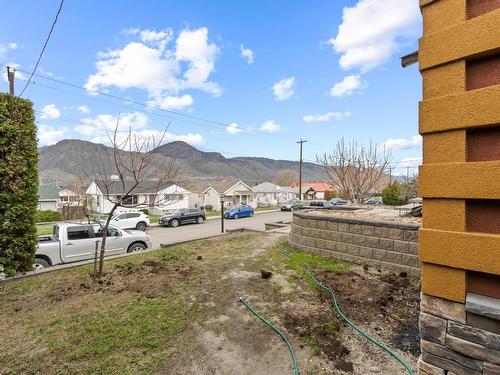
<point x="72" y="242"/>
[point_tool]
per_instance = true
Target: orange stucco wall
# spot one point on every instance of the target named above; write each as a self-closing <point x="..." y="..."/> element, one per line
<point x="453" y="38"/>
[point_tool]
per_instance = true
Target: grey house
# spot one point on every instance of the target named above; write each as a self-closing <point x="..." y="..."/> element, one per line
<point x="48" y="197"/>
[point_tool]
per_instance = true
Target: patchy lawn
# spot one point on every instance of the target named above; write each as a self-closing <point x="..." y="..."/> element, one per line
<point x="169" y="312"/>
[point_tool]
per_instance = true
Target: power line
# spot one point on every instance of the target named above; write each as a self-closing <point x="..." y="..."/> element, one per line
<point x="44" y="46"/>
<point x="219" y="124"/>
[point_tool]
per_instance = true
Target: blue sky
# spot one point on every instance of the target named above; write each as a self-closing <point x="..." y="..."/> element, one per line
<point x="276" y="71"/>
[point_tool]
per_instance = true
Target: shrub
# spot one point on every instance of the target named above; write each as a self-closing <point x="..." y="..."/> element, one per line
<point x="392" y="195"/>
<point x="48" y="216"/>
<point x="18" y="184"/>
<point x="329" y="194"/>
<point x="208" y="207"/>
<point x="145" y="211"/>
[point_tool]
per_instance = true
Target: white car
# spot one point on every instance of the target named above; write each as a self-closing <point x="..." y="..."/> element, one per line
<point x="131" y="220"/>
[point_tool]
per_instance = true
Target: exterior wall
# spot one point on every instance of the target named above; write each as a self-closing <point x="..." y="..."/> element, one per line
<point x="236" y="194"/>
<point x="388" y="245"/>
<point x="459" y="240"/>
<point x="47" y="205"/>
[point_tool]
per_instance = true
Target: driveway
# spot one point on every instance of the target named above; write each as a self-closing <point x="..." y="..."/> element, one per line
<point x="166" y="235"/>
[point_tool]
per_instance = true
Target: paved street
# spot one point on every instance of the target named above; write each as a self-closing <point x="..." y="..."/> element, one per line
<point x="167" y="235"/>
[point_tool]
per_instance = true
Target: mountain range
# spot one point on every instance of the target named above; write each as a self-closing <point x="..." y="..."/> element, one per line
<point x="67" y="161"/>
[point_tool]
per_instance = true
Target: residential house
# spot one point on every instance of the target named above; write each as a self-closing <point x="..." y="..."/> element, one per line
<point x="269" y="194"/>
<point x="103" y="194"/>
<point x="48" y="197"/>
<point x="69" y="198"/>
<point x="314" y="190"/>
<point x="207" y="193"/>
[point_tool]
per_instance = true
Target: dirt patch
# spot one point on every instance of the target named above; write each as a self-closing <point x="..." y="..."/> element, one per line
<point x="387" y="304"/>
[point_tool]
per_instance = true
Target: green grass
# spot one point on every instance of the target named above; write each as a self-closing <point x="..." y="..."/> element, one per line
<point x="44" y="229"/>
<point x="127" y="327"/>
<point x="296" y="260"/>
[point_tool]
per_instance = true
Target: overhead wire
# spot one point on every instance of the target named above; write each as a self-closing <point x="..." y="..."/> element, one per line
<point x="217" y="124"/>
<point x="43" y="48"/>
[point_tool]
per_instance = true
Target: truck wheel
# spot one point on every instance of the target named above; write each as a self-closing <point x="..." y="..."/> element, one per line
<point x="141" y="226"/>
<point x="200" y="220"/>
<point x="40" y="264"/>
<point x="135" y="247"/>
<point x="174" y="223"/>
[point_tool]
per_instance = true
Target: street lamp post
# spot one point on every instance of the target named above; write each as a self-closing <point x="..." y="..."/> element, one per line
<point x="222" y="200"/>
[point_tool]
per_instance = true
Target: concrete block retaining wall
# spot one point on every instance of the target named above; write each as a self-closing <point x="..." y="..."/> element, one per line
<point x="388" y="245"/>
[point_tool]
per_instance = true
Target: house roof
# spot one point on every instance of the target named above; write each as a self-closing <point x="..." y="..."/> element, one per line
<point x="316" y="186"/>
<point x="121" y="187"/>
<point x="219" y="186"/>
<point x="68" y="193"/>
<point x="409" y="59"/>
<point x="266" y="187"/>
<point x="48" y="192"/>
<point x="269" y="187"/>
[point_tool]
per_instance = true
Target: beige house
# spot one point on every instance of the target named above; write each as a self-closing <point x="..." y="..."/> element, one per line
<point x="207" y="193"/>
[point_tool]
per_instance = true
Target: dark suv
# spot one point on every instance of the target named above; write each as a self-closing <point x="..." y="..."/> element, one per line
<point x="182" y="216"/>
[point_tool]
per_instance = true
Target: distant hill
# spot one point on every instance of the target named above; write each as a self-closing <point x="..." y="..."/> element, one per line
<point x="70" y="159"/>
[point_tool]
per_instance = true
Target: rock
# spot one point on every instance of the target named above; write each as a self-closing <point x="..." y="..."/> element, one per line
<point x="472" y="350"/>
<point x="265" y="274"/>
<point x="476" y="366"/>
<point x="442" y="308"/>
<point x="432" y="328"/>
<point x="199" y="257"/>
<point x="403" y="274"/>
<point x="427" y="369"/>
<point x="479" y="336"/>
<point x="490" y="369"/>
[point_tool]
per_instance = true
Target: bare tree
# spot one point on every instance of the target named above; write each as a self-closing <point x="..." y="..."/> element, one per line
<point x="286" y="177"/>
<point x="357" y="171"/>
<point x="136" y="169"/>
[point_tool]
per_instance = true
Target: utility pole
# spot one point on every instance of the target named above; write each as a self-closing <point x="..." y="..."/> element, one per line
<point x="407" y="174"/>
<point x="301" y="142"/>
<point x="10" y="77"/>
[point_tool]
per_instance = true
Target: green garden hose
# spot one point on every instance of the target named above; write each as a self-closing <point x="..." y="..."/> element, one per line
<point x="281" y="334"/>
<point x="337" y="307"/>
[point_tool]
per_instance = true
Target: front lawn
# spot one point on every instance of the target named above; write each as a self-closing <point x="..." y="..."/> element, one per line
<point x="177" y="311"/>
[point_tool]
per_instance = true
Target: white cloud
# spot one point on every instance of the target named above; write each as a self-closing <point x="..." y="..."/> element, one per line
<point x="133" y="120"/>
<point x="83" y="109"/>
<point x="12" y="46"/>
<point x="192" y="46"/>
<point x="283" y="89"/>
<point x="372" y="30"/>
<point x="326" y="116"/>
<point x="247" y="53"/>
<point x="347" y="86"/>
<point x="138" y="122"/>
<point x="50" y="111"/>
<point x="48" y="135"/>
<point x="172" y="102"/>
<point x="163" y="72"/>
<point x="402" y="143"/>
<point x="270" y="126"/>
<point x="233" y="128"/>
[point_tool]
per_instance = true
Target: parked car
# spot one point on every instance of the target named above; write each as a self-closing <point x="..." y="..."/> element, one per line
<point x="317" y="203"/>
<point x="339" y="202"/>
<point x="290" y="205"/>
<point x="72" y="242"/>
<point x="375" y="201"/>
<point x="131" y="220"/>
<point x="182" y="216"/>
<point x="238" y="212"/>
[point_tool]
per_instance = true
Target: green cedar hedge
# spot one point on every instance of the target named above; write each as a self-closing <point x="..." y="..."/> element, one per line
<point x="18" y="184"/>
<point x="48" y="216"/>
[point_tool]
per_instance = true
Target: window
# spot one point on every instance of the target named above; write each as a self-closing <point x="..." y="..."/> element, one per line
<point x="173" y="197"/>
<point x="78" y="233"/>
<point x="98" y="231"/>
<point x="128" y="199"/>
<point x="133" y="215"/>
